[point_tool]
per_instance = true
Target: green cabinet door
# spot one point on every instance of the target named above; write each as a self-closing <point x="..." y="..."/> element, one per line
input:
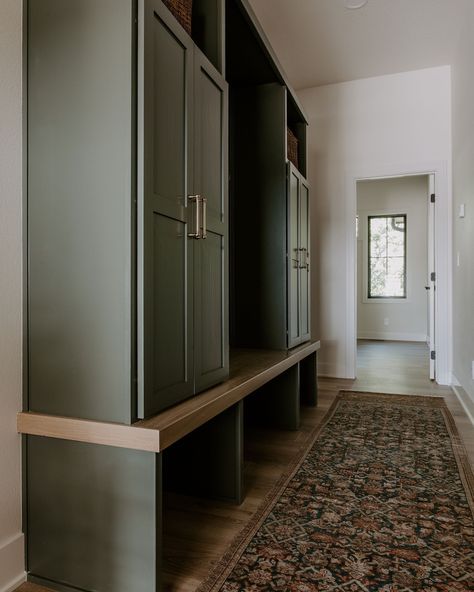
<point x="298" y="258"/>
<point x="211" y="355"/>
<point x="294" y="330"/>
<point x="304" y="266"/>
<point x="165" y="275"/>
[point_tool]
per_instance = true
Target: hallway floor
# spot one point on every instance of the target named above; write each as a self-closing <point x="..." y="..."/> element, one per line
<point x="197" y="532"/>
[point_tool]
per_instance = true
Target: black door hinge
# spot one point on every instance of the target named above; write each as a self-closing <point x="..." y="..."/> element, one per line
<point x="433" y="198"/>
<point x="433" y="355"/>
<point x="433" y="276"/>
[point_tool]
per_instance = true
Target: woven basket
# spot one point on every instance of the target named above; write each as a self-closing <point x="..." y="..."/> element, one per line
<point x="292" y="141"/>
<point x="182" y="10"/>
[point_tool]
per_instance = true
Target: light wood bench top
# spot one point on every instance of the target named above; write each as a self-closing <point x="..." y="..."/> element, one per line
<point x="249" y="370"/>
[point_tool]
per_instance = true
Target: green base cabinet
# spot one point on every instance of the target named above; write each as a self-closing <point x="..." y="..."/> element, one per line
<point x="93" y="517"/>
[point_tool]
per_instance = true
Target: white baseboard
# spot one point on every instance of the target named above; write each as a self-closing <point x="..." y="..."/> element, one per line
<point x="12" y="563"/>
<point x="454" y="381"/>
<point x="328" y="370"/>
<point x="465" y="399"/>
<point x="13" y="585"/>
<point x="388" y="336"/>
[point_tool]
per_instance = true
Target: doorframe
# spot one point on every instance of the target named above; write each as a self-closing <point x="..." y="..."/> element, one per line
<point x="443" y="259"/>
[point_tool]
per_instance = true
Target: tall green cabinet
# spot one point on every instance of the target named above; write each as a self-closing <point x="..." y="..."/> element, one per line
<point x="127" y="208"/>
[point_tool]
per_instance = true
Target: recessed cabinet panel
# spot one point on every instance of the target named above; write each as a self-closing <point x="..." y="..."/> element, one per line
<point x="293" y="261"/>
<point x="210" y="302"/>
<point x="165" y="323"/>
<point x="170" y="113"/>
<point x="211" y="351"/>
<point x="170" y="310"/>
<point x="211" y="121"/>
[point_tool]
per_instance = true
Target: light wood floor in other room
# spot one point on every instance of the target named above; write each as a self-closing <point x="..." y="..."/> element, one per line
<point x="197" y="532"/>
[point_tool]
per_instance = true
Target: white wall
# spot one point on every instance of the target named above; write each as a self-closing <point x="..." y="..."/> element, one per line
<point x="11" y="539"/>
<point x="366" y="127"/>
<point x="463" y="193"/>
<point x="407" y="318"/>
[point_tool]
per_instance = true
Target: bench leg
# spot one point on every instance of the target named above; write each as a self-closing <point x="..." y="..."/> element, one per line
<point x="209" y="461"/>
<point x="277" y="404"/>
<point x="309" y="381"/>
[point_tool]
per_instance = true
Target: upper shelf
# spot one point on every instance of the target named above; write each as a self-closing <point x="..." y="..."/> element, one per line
<point x="249" y="55"/>
<point x="205" y="26"/>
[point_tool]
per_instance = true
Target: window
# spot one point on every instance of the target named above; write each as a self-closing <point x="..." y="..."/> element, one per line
<point x="387" y="256"/>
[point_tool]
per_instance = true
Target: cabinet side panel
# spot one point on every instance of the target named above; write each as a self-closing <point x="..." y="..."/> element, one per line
<point x="93" y="515"/>
<point x="80" y="176"/>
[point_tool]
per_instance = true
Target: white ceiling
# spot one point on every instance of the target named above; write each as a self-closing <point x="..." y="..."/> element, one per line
<point x="320" y="42"/>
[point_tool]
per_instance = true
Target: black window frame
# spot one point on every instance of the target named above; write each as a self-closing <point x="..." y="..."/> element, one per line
<point x="369" y="267"/>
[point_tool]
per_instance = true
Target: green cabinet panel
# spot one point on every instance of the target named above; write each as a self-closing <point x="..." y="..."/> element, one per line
<point x="298" y="258"/>
<point x="165" y="273"/>
<point x="172" y="367"/>
<point x="80" y="222"/>
<point x="305" y="322"/>
<point x="211" y="351"/>
<point x="93" y="516"/>
<point x="171" y="88"/>
<point x="294" y="333"/>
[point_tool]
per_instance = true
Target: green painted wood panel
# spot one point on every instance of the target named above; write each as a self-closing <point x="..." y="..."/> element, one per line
<point x="209" y="462"/>
<point x="81" y="191"/>
<point x="93" y="516"/>
<point x="165" y="278"/>
<point x="172" y="370"/>
<point x="294" y="320"/>
<point x="305" y="265"/>
<point x="211" y="349"/>
<point x="210" y="309"/>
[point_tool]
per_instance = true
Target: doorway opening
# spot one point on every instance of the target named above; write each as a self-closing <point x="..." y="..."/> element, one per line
<point x="395" y="265"/>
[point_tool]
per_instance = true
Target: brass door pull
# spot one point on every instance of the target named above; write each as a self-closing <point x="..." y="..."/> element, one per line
<point x="196" y="199"/>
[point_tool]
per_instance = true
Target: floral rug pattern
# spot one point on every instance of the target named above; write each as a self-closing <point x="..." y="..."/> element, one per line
<point x="381" y="500"/>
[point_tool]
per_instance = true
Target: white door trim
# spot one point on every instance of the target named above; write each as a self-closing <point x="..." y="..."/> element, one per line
<point x="443" y="260"/>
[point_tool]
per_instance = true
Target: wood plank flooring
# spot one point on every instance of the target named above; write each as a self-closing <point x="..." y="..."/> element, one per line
<point x="197" y="532"/>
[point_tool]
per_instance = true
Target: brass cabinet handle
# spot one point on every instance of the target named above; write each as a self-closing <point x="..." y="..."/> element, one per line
<point x="204" y="217"/>
<point x="196" y="199"/>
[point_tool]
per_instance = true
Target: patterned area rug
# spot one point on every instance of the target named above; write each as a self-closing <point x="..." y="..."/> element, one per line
<point x="381" y="499"/>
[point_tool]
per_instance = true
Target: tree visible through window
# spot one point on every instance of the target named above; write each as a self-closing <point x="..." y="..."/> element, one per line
<point x="387" y="256"/>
